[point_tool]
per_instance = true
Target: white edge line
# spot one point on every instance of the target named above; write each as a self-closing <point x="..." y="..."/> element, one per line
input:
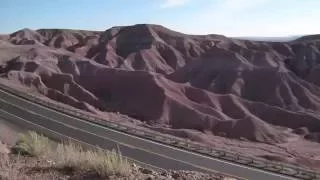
<point x="147" y="140"/>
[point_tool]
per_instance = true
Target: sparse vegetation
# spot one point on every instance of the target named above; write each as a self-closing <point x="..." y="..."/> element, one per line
<point x="17" y="167"/>
<point x="70" y="155"/>
<point x="104" y="163"/>
<point x="35" y="157"/>
<point x="33" y="144"/>
<point x="8" y="169"/>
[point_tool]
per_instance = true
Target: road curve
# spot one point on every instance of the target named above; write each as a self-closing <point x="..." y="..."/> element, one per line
<point x="51" y="122"/>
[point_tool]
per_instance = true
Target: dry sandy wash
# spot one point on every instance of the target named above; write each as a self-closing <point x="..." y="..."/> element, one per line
<point x="256" y="98"/>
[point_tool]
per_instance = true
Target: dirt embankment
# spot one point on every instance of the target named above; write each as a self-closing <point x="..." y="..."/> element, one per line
<point x="205" y="88"/>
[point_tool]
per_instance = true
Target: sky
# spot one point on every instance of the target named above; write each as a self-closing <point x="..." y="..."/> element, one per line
<point x="236" y="18"/>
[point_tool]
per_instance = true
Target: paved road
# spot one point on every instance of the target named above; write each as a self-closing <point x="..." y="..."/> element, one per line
<point x="59" y="125"/>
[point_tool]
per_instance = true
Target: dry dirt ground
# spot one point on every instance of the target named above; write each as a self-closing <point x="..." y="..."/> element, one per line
<point x="18" y="167"/>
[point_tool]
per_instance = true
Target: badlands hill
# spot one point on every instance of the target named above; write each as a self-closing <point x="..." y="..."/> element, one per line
<point x="207" y="86"/>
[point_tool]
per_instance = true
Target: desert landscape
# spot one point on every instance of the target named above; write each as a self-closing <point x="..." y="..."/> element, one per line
<point x="256" y="98"/>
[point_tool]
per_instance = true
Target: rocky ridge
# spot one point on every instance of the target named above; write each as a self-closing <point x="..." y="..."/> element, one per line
<point x="266" y="92"/>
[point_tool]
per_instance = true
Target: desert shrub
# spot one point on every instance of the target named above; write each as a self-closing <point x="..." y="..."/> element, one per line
<point x="70" y="155"/>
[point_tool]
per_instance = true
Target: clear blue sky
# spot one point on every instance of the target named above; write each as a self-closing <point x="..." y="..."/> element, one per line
<point x="228" y="17"/>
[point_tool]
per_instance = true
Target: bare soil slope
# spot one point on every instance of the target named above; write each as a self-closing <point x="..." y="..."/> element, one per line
<point x="200" y="87"/>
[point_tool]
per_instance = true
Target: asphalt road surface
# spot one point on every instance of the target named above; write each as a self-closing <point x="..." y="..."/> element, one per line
<point x="145" y="152"/>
